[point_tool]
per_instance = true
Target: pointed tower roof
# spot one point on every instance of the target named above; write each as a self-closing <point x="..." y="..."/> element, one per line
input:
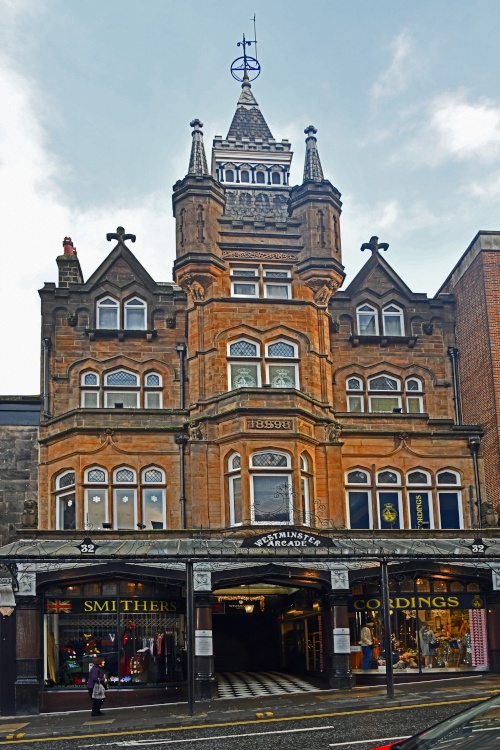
<point x="312" y="163"/>
<point x="197" y="160"/>
<point x="248" y="121"/>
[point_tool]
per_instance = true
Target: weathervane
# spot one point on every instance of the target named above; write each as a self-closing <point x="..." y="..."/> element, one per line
<point x="246" y="67"/>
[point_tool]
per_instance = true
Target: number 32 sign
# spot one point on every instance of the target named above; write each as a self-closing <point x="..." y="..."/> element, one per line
<point x="88" y="547"/>
<point x="478" y="547"/>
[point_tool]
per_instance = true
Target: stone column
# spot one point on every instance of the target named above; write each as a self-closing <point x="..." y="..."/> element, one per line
<point x="28" y="655"/>
<point x="340" y="675"/>
<point x="205" y="681"/>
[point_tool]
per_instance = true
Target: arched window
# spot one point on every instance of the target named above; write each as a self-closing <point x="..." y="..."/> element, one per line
<point x="382" y="391"/>
<point x="276" y="178"/>
<point x="449" y="500"/>
<point x="154" y="512"/>
<point x="96" y="497"/>
<point x="243" y="370"/>
<point x="153" y="391"/>
<point x="419" y="497"/>
<point x="271" y="491"/>
<point x="135" y="314"/>
<point x="367" y="320"/>
<point x="245" y="175"/>
<point x="124" y="498"/>
<point x="229" y="175"/>
<point x="284" y="373"/>
<point x="393" y="321"/>
<point x="235" y="501"/>
<point x="121" y="389"/>
<point x="65" y="501"/>
<point x="260" y="177"/>
<point x="359" y="500"/>
<point x="414" y="398"/>
<point x="108" y="313"/>
<point x="389" y="508"/>
<point x="90" y="390"/>
<point x="355" y="398"/>
<point x="305" y="490"/>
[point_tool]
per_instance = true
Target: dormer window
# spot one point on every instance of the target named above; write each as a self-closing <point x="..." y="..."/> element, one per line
<point x="276" y="178"/>
<point x="135" y="314"/>
<point x="108" y="313"/>
<point x="229" y="175"/>
<point x="245" y="175"/>
<point x="393" y="322"/>
<point x="367" y="320"/>
<point x="260" y="178"/>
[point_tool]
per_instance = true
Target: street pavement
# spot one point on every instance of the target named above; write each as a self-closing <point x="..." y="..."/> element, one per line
<point x="322" y="719"/>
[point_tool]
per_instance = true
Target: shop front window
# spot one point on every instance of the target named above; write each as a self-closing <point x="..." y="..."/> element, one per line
<point x="434" y="624"/>
<point x="141" y="637"/>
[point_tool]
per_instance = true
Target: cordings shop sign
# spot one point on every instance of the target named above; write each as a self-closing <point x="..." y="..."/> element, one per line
<point x="288" y="538"/>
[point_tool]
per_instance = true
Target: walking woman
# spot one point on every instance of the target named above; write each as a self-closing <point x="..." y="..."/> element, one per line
<point x="97" y="676"/>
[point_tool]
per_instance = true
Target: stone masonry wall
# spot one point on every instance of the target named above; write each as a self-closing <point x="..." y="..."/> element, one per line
<point x="18" y="475"/>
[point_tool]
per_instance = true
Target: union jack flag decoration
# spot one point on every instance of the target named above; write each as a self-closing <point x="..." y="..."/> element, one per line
<point x="55" y="608"/>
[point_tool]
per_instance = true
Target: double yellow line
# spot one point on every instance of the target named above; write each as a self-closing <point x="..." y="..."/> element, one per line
<point x="248" y="722"/>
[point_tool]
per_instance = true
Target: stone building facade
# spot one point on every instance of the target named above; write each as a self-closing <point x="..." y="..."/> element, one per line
<point x="249" y="405"/>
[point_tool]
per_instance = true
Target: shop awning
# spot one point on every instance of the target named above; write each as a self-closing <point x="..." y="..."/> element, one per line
<point x="343" y="549"/>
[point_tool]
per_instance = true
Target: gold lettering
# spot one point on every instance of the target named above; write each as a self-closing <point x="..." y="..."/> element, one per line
<point x="140" y="605"/>
<point x="164" y="607"/>
<point x="87" y="606"/>
<point x="424" y="600"/>
<point x="155" y="607"/>
<point x="438" y="602"/>
<point x="126" y="603"/>
<point x="373" y="604"/>
<point x="101" y="606"/>
<point x="413" y="605"/>
<point x="453" y="601"/>
<point x="173" y="607"/>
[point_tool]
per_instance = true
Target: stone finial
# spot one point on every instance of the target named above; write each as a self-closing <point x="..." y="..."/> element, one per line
<point x="68" y="246"/>
<point x="120" y="235"/>
<point x="374" y="245"/>
<point x="197" y="160"/>
<point x="312" y="164"/>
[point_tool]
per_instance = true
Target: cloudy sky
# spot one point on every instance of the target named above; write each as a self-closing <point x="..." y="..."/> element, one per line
<point x="96" y="98"/>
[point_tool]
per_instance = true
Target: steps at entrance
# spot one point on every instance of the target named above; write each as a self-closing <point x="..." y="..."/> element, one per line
<point x="250" y="684"/>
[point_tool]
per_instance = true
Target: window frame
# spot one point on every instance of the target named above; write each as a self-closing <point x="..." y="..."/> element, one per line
<point x="115" y="390"/>
<point x="448" y="488"/>
<point x="358" y="487"/>
<point x="283" y="361"/>
<point x="159" y="487"/>
<point x="360" y="313"/>
<point x="271" y="471"/>
<point x="306" y="477"/>
<point x="391" y="315"/>
<point x="61" y="493"/>
<point x="100" y="306"/>
<point x="127" y="307"/>
<point x="384" y="394"/>
<point x="234" y="475"/>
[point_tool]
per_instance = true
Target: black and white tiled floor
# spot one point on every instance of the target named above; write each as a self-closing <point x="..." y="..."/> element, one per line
<point x="250" y="684"/>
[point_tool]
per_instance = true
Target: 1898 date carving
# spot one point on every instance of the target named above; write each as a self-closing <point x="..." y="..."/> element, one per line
<point x="269" y="424"/>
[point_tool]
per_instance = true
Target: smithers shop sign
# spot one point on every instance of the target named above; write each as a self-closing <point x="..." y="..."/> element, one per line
<point x="288" y="538"/>
<point x="109" y="606"/>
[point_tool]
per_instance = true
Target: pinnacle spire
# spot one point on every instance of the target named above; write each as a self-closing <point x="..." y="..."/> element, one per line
<point x="312" y="163"/>
<point x="197" y="160"/>
<point x="248" y="121"/>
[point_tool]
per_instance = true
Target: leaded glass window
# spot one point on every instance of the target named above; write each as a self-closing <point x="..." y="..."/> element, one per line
<point x="277" y="274"/>
<point x="122" y="377"/>
<point x="96" y="475"/>
<point x="243" y="349"/>
<point x="388" y="477"/>
<point x="153" y="380"/>
<point x="417" y="477"/>
<point x="124" y="475"/>
<point x="413" y="384"/>
<point x="269" y="459"/>
<point x="357" y="477"/>
<point x="153" y="475"/>
<point x="383" y="383"/>
<point x="447" y="477"/>
<point x="354" y="384"/>
<point x="244" y="376"/>
<point x="90" y="378"/>
<point x="281" y="349"/>
<point x="66" y="480"/>
<point x="235" y="462"/>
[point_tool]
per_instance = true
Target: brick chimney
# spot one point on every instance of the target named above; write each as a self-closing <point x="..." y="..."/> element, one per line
<point x="69" y="266"/>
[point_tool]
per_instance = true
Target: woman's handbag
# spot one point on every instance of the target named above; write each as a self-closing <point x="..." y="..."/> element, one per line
<point x="98" y="693"/>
